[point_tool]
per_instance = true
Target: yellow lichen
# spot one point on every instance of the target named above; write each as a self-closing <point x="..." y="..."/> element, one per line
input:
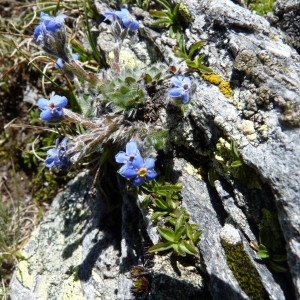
<point x="127" y="58"/>
<point x="24" y="276"/>
<point x="225" y="88"/>
<point x="191" y="170"/>
<point x="212" y="78"/>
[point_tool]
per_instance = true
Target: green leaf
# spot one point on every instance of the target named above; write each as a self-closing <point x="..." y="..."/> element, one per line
<point x="197" y="235"/>
<point x="178" y="250"/>
<point x="234" y="149"/>
<point x="172" y="204"/>
<point x="192" y="64"/>
<point x="158" y="13"/>
<point x="278" y="268"/>
<point x="188" y="248"/>
<point x="164" y="21"/>
<point x="204" y="69"/>
<point x="158" y="214"/>
<point x="180" y="221"/>
<point x="196" y="46"/>
<point x="181" y="55"/>
<point x="161" y="204"/>
<point x="146" y="201"/>
<point x="279" y="257"/>
<point x="167" y="233"/>
<point x="263" y="252"/>
<point x="236" y="164"/>
<point x="189" y="231"/>
<point x="165" y="4"/>
<point x="171" y="220"/>
<point x="157" y="76"/>
<point x="148" y="78"/>
<point x="163" y="246"/>
<point x="175" y="12"/>
<point x="212" y="176"/>
<point x="178" y="233"/>
<point x="130" y="80"/>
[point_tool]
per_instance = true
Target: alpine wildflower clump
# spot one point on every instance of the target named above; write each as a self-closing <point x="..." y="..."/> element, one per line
<point x="114" y="104"/>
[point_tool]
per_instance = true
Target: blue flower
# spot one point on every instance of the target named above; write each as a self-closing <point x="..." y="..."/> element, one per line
<point x="182" y="88"/>
<point x="50" y="35"/>
<point x="134" y="166"/>
<point x="57" y="157"/>
<point x="52" y="110"/>
<point x="139" y="170"/>
<point x="125" y="17"/>
<point x="132" y="151"/>
<point x="48" y="24"/>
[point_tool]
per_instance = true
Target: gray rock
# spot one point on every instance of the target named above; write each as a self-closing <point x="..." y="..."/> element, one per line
<point x="286" y="16"/>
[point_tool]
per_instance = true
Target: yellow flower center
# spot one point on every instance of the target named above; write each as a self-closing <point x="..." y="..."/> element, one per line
<point x="142" y="172"/>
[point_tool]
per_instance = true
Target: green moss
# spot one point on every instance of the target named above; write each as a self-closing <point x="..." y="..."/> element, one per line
<point x="244" y="271"/>
<point x="261" y="7"/>
<point x="45" y="186"/>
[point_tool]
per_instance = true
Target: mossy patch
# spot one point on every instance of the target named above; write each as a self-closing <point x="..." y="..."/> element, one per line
<point x="244" y="271"/>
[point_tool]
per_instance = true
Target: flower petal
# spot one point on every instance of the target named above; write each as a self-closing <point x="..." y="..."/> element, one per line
<point x="186" y="81"/>
<point x="123" y="13"/>
<point x="121" y="157"/>
<point x="130" y="23"/>
<point x="138" y="180"/>
<point x="43" y="103"/>
<point x="185" y="98"/>
<point x="50" y="162"/>
<point x="110" y="14"/>
<point x="59" y="63"/>
<point x="134" y="25"/>
<point x="132" y="148"/>
<point x="46" y="115"/>
<point x="37" y="32"/>
<point x="53" y="23"/>
<point x="137" y="162"/>
<point x="177" y="80"/>
<point x="175" y="92"/>
<point x="128" y="172"/>
<point x="151" y="174"/>
<point x="149" y="163"/>
<point x="52" y="152"/>
<point x="59" y="101"/>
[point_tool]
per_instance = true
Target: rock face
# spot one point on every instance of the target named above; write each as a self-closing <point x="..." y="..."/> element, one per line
<point x="86" y="244"/>
<point x="287" y="17"/>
